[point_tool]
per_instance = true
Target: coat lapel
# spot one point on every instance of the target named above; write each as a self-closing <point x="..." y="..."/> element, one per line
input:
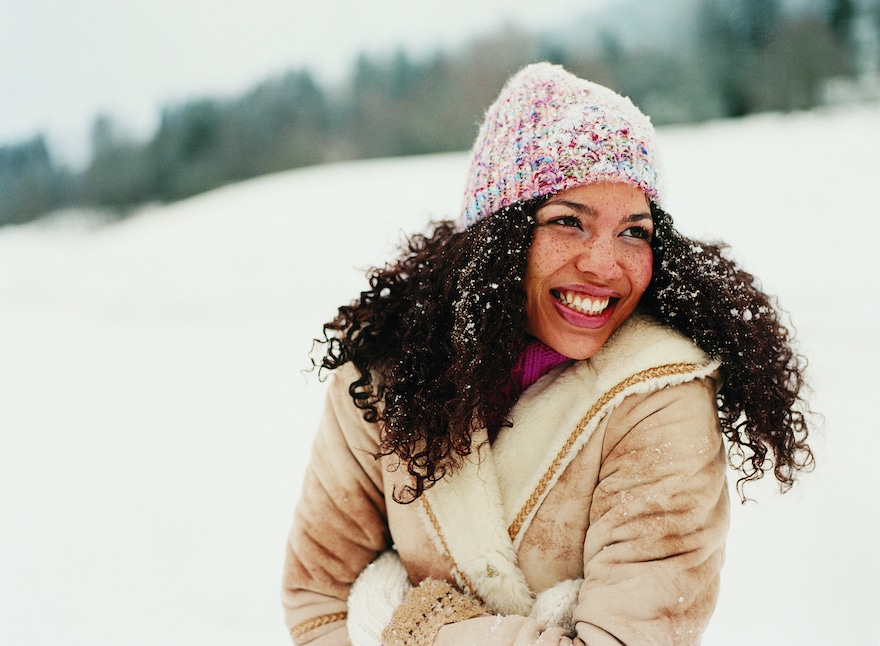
<point x="556" y="417"/>
<point x="466" y="517"/>
<point x="479" y="514"/>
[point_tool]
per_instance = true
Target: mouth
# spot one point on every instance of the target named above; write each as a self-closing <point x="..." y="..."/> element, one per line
<point x="582" y="303"/>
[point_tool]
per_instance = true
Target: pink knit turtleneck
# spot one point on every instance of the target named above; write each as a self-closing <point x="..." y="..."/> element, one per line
<point x="536" y="361"/>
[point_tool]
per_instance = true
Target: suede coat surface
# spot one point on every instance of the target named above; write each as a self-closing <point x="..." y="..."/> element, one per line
<point x="614" y="471"/>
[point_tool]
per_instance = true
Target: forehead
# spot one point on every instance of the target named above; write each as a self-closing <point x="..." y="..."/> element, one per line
<point x="601" y="191"/>
<point x="601" y="198"/>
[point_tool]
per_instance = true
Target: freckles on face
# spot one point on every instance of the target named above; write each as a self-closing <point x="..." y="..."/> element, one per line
<point x="588" y="266"/>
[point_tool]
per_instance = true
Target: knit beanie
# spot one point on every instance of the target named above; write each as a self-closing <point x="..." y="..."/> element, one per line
<point x="550" y="131"/>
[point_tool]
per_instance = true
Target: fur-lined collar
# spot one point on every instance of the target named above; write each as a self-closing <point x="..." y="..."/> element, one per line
<point x="479" y="514"/>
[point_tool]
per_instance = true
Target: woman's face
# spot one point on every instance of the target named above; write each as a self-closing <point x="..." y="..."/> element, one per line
<point x="588" y="266"/>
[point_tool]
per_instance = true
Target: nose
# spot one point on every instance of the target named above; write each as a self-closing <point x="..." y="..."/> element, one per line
<point x="598" y="257"/>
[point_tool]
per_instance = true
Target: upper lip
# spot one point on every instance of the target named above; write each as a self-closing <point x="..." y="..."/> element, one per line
<point x="587" y="290"/>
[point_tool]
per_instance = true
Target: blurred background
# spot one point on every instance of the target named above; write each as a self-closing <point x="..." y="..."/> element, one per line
<point x="112" y="106"/>
<point x="190" y="188"/>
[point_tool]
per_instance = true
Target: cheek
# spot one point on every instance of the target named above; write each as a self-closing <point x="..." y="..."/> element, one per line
<point x="537" y="266"/>
<point x="546" y="255"/>
<point x="640" y="269"/>
<point x="540" y="264"/>
<point x="530" y="285"/>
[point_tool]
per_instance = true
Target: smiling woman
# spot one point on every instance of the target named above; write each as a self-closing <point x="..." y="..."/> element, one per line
<point x="588" y="266"/>
<point x="524" y="438"/>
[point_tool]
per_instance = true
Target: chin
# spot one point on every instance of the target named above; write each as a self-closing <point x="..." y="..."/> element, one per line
<point x="577" y="349"/>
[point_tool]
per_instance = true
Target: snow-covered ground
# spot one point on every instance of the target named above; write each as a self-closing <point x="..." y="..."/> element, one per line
<point x="155" y="419"/>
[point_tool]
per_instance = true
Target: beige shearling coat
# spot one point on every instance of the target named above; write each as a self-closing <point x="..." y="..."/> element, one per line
<point x="614" y="471"/>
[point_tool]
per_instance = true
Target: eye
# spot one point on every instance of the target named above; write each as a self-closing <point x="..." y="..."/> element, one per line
<point x="638" y="232"/>
<point x="566" y="221"/>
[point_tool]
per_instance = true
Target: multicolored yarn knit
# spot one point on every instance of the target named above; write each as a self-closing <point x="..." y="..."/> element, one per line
<point x="550" y="131"/>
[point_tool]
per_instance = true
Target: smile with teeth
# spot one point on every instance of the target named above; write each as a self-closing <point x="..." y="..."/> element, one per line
<point x="583" y="303"/>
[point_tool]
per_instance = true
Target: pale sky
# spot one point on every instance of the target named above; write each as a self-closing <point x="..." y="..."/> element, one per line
<point x="62" y="61"/>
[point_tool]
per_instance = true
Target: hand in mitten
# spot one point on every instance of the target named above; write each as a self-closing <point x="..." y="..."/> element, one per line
<point x="378" y="590"/>
<point x="426" y="609"/>
<point x="555" y="606"/>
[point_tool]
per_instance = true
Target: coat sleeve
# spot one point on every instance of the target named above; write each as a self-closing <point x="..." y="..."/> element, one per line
<point x="657" y="525"/>
<point x="658" y="522"/>
<point x="339" y="524"/>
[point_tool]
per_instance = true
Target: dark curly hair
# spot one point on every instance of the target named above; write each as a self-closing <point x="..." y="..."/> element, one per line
<point x="436" y="336"/>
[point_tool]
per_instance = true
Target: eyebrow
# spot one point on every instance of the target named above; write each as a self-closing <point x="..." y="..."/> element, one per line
<point x="588" y="210"/>
<point x="635" y="217"/>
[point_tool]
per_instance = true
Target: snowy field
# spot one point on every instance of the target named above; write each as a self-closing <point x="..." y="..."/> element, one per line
<point x="155" y="419"/>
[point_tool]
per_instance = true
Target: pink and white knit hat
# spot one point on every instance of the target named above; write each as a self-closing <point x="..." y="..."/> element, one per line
<point x="550" y="131"/>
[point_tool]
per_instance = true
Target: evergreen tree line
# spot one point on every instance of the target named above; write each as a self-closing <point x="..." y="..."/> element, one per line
<point x="742" y="56"/>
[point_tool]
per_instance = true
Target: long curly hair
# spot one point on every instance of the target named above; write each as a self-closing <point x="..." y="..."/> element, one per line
<point x="436" y="336"/>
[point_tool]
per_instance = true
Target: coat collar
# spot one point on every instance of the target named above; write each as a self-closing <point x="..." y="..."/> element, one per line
<point x="479" y="514"/>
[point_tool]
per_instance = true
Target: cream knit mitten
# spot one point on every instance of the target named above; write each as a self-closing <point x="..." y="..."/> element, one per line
<point x="555" y="606"/>
<point x="379" y="589"/>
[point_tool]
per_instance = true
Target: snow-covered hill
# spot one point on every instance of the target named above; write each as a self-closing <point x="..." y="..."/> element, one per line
<point x="155" y="420"/>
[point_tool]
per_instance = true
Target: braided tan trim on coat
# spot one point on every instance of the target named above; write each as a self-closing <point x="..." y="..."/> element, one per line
<point x="641" y="377"/>
<point x="436" y="525"/>
<point x="316" y="622"/>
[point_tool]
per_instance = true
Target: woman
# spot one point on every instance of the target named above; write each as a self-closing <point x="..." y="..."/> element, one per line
<point x="530" y="405"/>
